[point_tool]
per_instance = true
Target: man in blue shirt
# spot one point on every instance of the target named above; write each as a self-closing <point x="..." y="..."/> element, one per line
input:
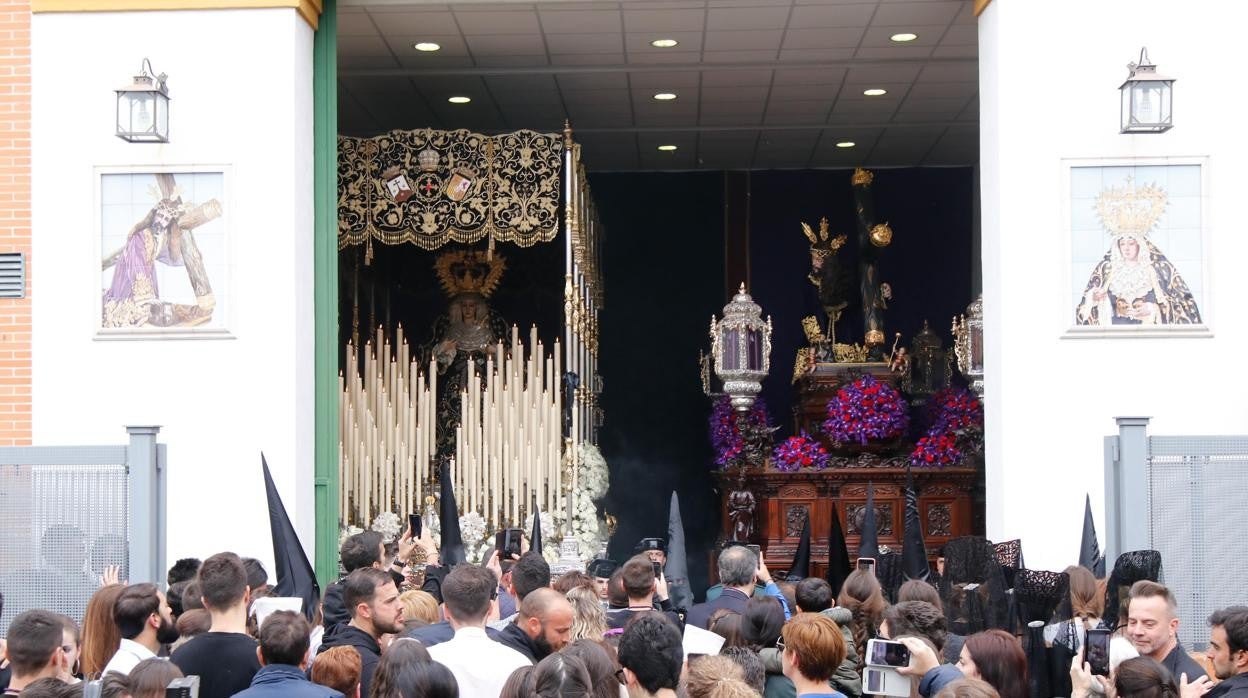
<point x="283" y="654"/>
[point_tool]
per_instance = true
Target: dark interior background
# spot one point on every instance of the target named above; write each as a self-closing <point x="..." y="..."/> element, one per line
<point x="664" y="268"/>
<point x="665" y="265"/>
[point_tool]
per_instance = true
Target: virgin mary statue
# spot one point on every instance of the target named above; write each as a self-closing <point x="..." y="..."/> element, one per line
<point x="1134" y="284"/>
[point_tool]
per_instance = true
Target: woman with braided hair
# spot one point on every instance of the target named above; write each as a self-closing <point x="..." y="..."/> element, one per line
<point x="862" y="596"/>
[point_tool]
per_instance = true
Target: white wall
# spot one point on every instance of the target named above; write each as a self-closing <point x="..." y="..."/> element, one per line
<point x="1049" y="73"/>
<point x="241" y="88"/>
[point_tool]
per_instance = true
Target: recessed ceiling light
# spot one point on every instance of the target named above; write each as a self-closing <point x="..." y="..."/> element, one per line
<point x="664" y="43"/>
<point x="874" y="92"/>
<point x="904" y="37"/>
<point x="665" y="96"/>
<point x="459" y="100"/>
<point x="427" y="46"/>
<point x="667" y="148"/>
<point x="846" y="144"/>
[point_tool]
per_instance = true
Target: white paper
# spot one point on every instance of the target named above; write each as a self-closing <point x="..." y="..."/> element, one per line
<point x="699" y="641"/>
<point x="264" y="607"/>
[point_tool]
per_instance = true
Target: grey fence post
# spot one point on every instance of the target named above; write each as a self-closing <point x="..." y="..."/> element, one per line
<point x="1126" y="488"/>
<point x="147" y="494"/>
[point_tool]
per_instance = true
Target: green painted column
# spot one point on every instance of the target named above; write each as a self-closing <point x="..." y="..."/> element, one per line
<point x="325" y="287"/>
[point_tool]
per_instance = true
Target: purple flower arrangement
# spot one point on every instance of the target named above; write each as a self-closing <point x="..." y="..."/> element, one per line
<point x="740" y="440"/>
<point x="799" y="452"/>
<point x="956" y="417"/>
<point x="866" y="410"/>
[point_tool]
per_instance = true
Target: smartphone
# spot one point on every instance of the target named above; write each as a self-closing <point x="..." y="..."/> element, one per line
<point x="758" y="552"/>
<point x="867" y="563"/>
<point x="507" y="542"/>
<point x="414" y="523"/>
<point x="658" y="569"/>
<point x="882" y="681"/>
<point x="186" y="687"/>
<point x="887" y="653"/>
<point x="1096" y="651"/>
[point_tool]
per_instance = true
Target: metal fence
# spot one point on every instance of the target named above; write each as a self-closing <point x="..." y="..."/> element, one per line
<point x="1181" y="496"/>
<point x="69" y="512"/>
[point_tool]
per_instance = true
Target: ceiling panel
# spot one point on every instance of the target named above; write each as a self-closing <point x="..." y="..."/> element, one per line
<point x="587" y="59"/>
<point x="711" y="95"/>
<point x="834" y="37"/>
<point x="763" y="39"/>
<point x="580" y="22"/>
<point x="666" y="81"/>
<point x="639" y="42"/>
<point x="816" y="54"/>
<point x="736" y="76"/>
<point x="592" y="81"/>
<point x="479" y="22"/>
<point x="818" y="16"/>
<point x="747" y="18"/>
<point x="506" y="45"/>
<point x="401" y="20"/>
<point x="663" y="21"/>
<point x="916" y="13"/>
<point x="760" y="83"/>
<point x="584" y="43"/>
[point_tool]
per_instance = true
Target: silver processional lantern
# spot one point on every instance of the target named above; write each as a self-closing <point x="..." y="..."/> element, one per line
<point x="1147" y="99"/>
<point x="968" y="344"/>
<point x="741" y="349"/>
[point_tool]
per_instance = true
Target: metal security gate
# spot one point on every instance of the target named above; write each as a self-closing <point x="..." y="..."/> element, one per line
<point x="1182" y="496"/>
<point x="1196" y="494"/>
<point x="69" y="512"/>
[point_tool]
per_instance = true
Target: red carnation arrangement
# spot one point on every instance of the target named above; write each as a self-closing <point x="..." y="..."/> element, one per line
<point x="866" y="410"/>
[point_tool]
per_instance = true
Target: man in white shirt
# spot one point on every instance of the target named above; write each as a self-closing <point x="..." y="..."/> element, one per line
<point x="480" y="665"/>
<point x="145" y="621"/>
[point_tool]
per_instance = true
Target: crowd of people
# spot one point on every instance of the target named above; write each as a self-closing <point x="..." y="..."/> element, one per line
<point x="509" y="628"/>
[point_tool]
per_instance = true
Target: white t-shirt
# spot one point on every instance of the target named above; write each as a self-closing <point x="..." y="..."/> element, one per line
<point x="128" y="656"/>
<point x="481" y="666"/>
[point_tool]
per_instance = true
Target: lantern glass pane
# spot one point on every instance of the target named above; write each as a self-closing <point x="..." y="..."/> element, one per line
<point x="754" y="350"/>
<point x="141" y="112"/>
<point x="1147" y="103"/>
<point x="732" y="349"/>
<point x="1125" y="114"/>
<point x="162" y="117"/>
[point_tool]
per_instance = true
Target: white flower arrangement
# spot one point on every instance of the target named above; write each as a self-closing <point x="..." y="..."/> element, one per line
<point x="387" y="523"/>
<point x="593" y="479"/>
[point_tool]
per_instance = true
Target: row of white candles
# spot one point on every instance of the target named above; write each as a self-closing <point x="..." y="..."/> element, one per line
<point x="509" y="443"/>
<point x="387" y="418"/>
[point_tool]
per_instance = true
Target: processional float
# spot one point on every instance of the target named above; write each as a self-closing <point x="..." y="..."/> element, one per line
<point x="521" y="412"/>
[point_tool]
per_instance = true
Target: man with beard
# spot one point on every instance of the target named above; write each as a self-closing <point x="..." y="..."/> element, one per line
<point x="145" y="622"/>
<point x="1228" y="651"/>
<point x="224" y="658"/>
<point x="373" y="601"/>
<point x="1153" y="628"/>
<point x="542" y="626"/>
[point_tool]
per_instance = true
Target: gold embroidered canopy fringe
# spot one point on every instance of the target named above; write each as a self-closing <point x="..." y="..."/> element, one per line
<point x="506" y="187"/>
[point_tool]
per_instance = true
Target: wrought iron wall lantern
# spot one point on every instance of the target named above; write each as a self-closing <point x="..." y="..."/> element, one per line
<point x="1147" y="99"/>
<point x="143" y="108"/>
<point x="741" y="349"/>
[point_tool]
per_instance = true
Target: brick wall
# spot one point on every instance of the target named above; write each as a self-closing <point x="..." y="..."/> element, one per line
<point x="15" y="401"/>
